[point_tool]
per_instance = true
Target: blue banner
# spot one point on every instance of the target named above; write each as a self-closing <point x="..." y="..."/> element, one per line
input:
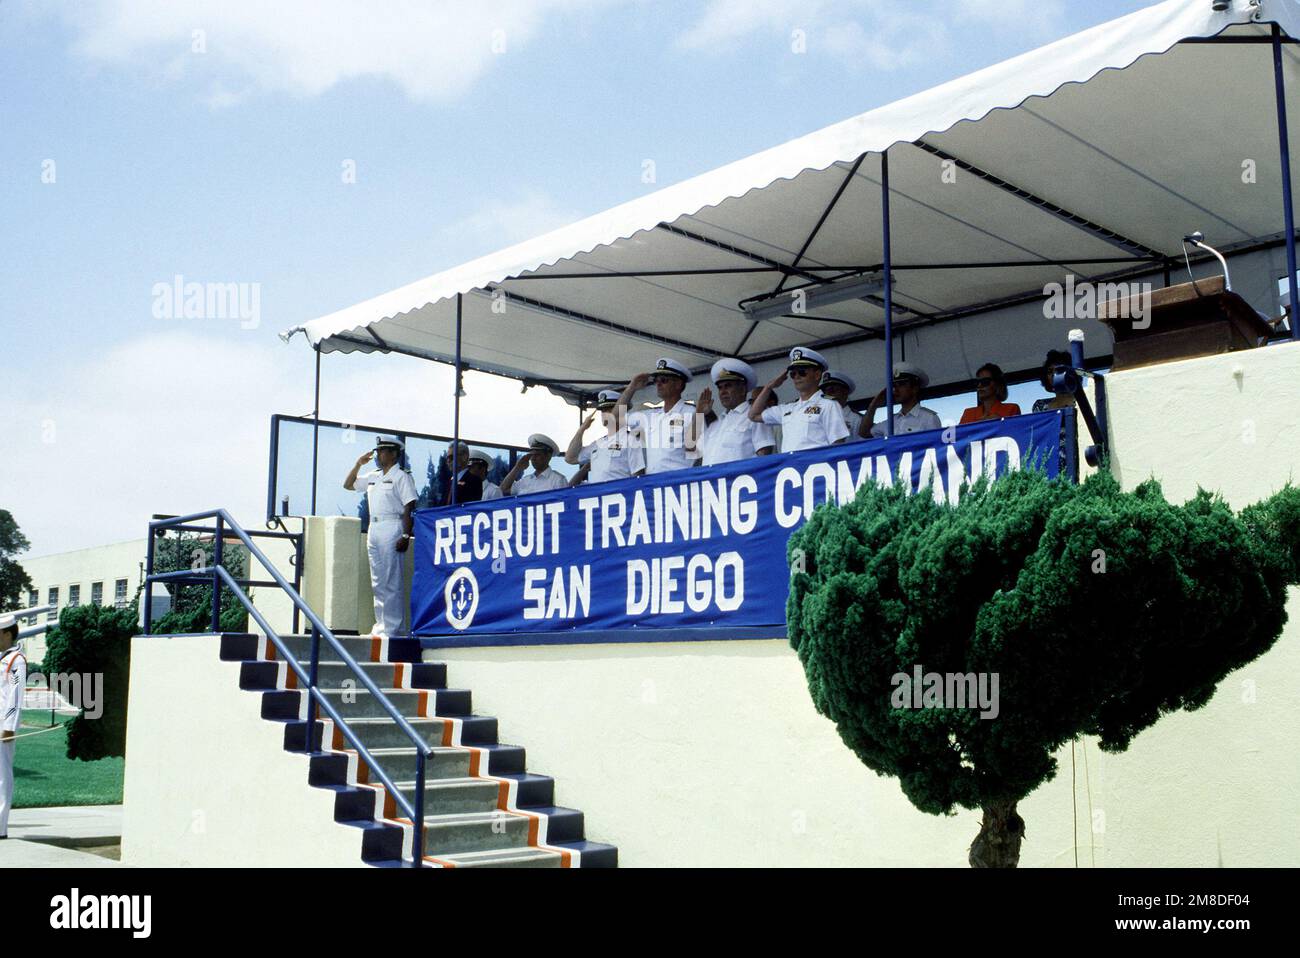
<point x="684" y="549"/>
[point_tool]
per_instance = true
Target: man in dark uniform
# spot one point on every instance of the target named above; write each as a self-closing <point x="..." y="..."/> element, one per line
<point x="469" y="485"/>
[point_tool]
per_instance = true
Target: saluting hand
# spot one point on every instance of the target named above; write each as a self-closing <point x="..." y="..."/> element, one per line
<point x="704" y="405"/>
<point x="779" y="379"/>
<point x="640" y="380"/>
<point x="365" y="458"/>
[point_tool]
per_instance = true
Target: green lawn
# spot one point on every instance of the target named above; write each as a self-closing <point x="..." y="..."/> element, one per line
<point x="44" y="775"/>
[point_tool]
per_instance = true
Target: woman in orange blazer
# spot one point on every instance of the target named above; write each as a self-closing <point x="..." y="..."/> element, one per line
<point x="991" y="393"/>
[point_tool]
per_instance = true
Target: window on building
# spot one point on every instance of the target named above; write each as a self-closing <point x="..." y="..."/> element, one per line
<point x="96" y="593"/>
<point x="74" y="596"/>
<point x="119" y="593"/>
<point x="52" y="598"/>
<point x="33" y="598"/>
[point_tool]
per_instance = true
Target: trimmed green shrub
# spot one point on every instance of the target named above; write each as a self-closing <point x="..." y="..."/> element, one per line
<point x="1098" y="610"/>
<point x="92" y="639"/>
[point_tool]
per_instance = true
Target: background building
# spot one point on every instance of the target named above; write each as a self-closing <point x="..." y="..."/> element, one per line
<point x="103" y="575"/>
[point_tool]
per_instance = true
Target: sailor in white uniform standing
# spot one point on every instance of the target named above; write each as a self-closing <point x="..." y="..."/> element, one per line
<point x="479" y="464"/>
<point x="811" y="421"/>
<point x="840" y="386"/>
<point x="732" y="435"/>
<point x="390" y="494"/>
<point x="13" y="679"/>
<point x="668" y="433"/>
<point x="541" y="449"/>
<point x="616" y="454"/>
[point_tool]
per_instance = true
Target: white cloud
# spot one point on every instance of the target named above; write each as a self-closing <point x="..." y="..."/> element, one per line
<point x="431" y="50"/>
<point x="882" y="34"/>
<point x="505" y="222"/>
<point x="1035" y="19"/>
<point x="177" y="422"/>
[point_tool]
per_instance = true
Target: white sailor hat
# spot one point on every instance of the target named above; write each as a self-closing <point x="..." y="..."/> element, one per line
<point x="607" y="397"/>
<point x="844" y="379"/>
<point x="666" y="365"/>
<point x="538" y="442"/>
<point x="803" y="356"/>
<point x="8" y="621"/>
<point x="731" y="370"/>
<point x="389" y="442"/>
<point x="910" y="369"/>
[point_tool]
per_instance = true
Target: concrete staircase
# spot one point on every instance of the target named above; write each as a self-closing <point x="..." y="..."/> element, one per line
<point x="482" y="808"/>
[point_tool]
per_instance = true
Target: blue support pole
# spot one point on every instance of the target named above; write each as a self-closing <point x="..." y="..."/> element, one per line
<point x="889" y="297"/>
<point x="1285" y="149"/>
<point x="315" y="434"/>
<point x="272" y="458"/>
<point x="455" y="429"/>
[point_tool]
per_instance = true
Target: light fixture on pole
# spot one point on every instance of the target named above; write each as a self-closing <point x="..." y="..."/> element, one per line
<point x="806" y="298"/>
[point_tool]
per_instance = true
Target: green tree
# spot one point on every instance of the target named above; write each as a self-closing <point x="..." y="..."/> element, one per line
<point x="191" y="609"/>
<point x="1099" y="610"/>
<point x="90" y="640"/>
<point x="14" y="581"/>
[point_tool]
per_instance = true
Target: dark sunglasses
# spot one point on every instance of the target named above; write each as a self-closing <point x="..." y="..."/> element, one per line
<point x="802" y="371"/>
<point x="985" y="381"/>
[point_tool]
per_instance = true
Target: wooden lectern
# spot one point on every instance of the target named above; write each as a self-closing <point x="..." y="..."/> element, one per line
<point x="1192" y="319"/>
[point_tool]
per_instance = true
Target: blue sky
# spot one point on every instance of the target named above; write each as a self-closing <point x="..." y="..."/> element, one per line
<point x="219" y="156"/>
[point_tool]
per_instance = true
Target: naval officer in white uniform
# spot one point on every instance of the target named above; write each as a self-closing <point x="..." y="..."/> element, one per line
<point x="616" y="454"/>
<point x="732" y="435"/>
<point x="668" y="434"/>
<point x="840" y="386"/>
<point x="13" y="679"/>
<point x="541" y="449"/>
<point x="811" y="421"/>
<point x="909" y="382"/>
<point x="390" y="494"/>
<point x="480" y="463"/>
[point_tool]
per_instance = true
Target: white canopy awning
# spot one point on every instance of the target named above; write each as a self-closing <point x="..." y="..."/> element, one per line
<point x="1093" y="155"/>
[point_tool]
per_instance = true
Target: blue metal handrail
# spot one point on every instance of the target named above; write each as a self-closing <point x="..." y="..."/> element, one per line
<point x="307" y="679"/>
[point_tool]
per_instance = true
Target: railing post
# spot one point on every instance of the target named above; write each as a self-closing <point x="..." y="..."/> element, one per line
<point x="417" y="839"/>
<point x="148" y="585"/>
<point x="311" y="689"/>
<point x="216" y="578"/>
<point x="297" y="570"/>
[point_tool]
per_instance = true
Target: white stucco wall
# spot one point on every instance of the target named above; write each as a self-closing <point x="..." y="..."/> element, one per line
<point x="208" y="781"/>
<point x="712" y="754"/>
